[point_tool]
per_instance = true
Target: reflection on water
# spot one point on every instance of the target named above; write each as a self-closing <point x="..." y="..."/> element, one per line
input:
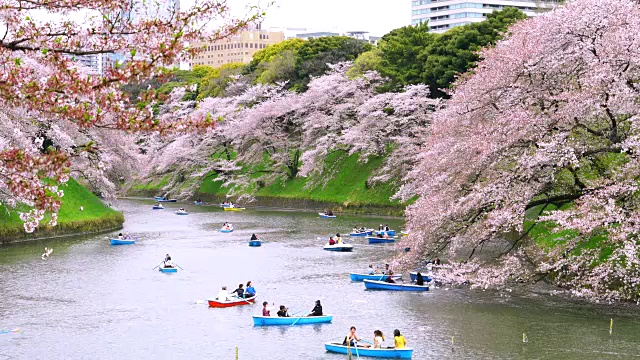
<point x="94" y="301"/>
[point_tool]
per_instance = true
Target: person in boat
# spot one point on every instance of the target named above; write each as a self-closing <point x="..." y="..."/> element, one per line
<point x="419" y="279"/>
<point x="159" y="205"/>
<point x="249" y="291"/>
<point x="371" y="270"/>
<point x="317" y="309"/>
<point x="223" y="295"/>
<point x="120" y="237"/>
<point x="351" y="338"/>
<point x="378" y="338"/>
<point x="330" y="213"/>
<point x="386" y="227"/>
<point x="389" y="278"/>
<point x="338" y="239"/>
<point x="356" y="230"/>
<point x="380" y="228"/>
<point x="167" y="262"/>
<point x="386" y="235"/>
<point x="379" y="235"/>
<point x="254" y="237"/>
<point x="181" y="210"/>
<point x="239" y="291"/>
<point x="398" y="340"/>
<point x="265" y="309"/>
<point x="436" y="261"/>
<point x="283" y="312"/>
<point x="387" y="269"/>
<point x="331" y="241"/>
<point x="362" y="229"/>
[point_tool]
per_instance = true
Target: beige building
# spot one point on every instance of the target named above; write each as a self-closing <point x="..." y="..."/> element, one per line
<point x="238" y="48"/>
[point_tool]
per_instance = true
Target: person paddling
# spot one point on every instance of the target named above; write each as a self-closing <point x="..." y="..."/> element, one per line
<point x="239" y="291"/>
<point x="317" y="310"/>
<point x="351" y="338"/>
<point x="254" y="237"/>
<point x="419" y="279"/>
<point x="283" y="312"/>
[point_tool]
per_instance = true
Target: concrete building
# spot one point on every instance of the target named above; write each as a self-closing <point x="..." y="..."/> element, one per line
<point x="238" y="48"/>
<point x="443" y="15"/>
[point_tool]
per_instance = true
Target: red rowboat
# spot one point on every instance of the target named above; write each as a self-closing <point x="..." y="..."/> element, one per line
<point x="233" y="302"/>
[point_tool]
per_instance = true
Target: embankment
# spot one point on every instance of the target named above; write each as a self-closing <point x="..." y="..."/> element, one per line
<point x="94" y="217"/>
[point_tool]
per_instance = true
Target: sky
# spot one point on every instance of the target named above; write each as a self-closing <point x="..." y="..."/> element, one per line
<point x="378" y="17"/>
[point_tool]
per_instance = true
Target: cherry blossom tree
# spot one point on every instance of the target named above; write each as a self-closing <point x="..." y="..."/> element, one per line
<point x="41" y="80"/>
<point x="547" y="122"/>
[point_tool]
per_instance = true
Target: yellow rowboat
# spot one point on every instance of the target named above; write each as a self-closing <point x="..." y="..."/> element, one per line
<point x="233" y="209"/>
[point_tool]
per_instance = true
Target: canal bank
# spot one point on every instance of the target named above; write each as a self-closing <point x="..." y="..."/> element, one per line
<point x="81" y="213"/>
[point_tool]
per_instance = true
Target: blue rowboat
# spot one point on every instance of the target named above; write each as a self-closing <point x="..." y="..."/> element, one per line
<point x="167" y="200"/>
<point x="339" y="247"/>
<point x="198" y="203"/>
<point x="379" y="277"/>
<point x="322" y="215"/>
<point x="390" y="232"/>
<point x="295" y="320"/>
<point x="377" y="240"/>
<point x="156" y="207"/>
<point x="158" y="197"/>
<point x="364" y="233"/>
<point x="122" y="241"/>
<point x="181" y="213"/>
<point x="226" y="230"/>
<point x="381" y="285"/>
<point x="168" y="270"/>
<point x="414" y="275"/>
<point x="255" y="243"/>
<point x="389" y="353"/>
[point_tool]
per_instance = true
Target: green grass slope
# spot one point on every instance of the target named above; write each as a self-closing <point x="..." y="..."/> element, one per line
<point x="94" y="216"/>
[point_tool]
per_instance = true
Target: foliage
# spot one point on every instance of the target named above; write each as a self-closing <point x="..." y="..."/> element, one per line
<point x="266" y="55"/>
<point x="550" y="121"/>
<point x="53" y="103"/>
<point x="367" y="61"/>
<point x="215" y="82"/>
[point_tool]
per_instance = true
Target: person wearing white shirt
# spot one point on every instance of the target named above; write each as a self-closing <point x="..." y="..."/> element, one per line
<point x="370" y="270"/>
<point x="223" y="295"/>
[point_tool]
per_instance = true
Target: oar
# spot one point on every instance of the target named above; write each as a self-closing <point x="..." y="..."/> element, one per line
<point x="178" y="266"/>
<point x="356" y="346"/>
<point x="297" y="320"/>
<point x="10" y="331"/>
<point x="157" y="266"/>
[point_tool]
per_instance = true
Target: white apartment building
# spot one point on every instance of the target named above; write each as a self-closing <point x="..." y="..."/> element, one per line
<point x="443" y="15"/>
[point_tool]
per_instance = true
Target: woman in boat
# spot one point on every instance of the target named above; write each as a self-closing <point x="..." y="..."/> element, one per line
<point x="254" y="237"/>
<point x="120" y="237"/>
<point x="378" y="338"/>
<point x="265" y="309"/>
<point x="317" y="310"/>
<point x="283" y="312"/>
<point x="398" y="340"/>
<point x="387" y="269"/>
<point x="386" y="227"/>
<point x="380" y="228"/>
<point x="419" y="279"/>
<point x="351" y="337"/>
<point x="338" y="238"/>
<point x="167" y="262"/>
<point x="239" y="291"/>
<point x="223" y="295"/>
<point x="331" y="241"/>
<point x="249" y="290"/>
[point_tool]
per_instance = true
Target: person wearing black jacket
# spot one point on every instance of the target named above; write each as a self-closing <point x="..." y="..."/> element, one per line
<point x="317" y="310"/>
<point x="283" y="312"/>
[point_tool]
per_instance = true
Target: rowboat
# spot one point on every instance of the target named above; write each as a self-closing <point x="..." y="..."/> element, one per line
<point x="181" y="212"/>
<point x="168" y="200"/>
<point x="229" y="303"/>
<point x="122" y="241"/>
<point x="168" y="269"/>
<point x="379" y="240"/>
<point x="379" y="277"/>
<point x="223" y="230"/>
<point x="158" y="198"/>
<point x="198" y="203"/>
<point x="414" y="275"/>
<point x="255" y="243"/>
<point x="226" y="205"/>
<point x="233" y="209"/>
<point x="324" y="216"/>
<point x="296" y="320"/>
<point x="387" y="232"/>
<point x="339" y="247"/>
<point x="404" y="233"/>
<point x="156" y="207"/>
<point x="362" y="233"/>
<point x="389" y="353"/>
<point x="381" y="285"/>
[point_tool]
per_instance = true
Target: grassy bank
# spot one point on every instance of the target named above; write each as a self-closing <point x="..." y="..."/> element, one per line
<point x="94" y="217"/>
<point x="346" y="190"/>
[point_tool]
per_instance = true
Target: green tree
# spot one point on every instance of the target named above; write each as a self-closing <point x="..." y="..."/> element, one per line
<point x="266" y="55"/>
<point x="314" y="55"/>
<point x="367" y="61"/>
<point x="216" y="81"/>
<point x="456" y="51"/>
<point x="399" y="55"/>
<point x="281" y="67"/>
